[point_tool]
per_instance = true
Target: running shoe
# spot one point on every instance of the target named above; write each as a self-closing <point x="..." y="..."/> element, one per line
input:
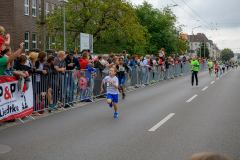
<point x="111" y="104"/>
<point x="52" y="107"/>
<point x="153" y="81"/>
<point x="123" y="96"/>
<point x="8" y="72"/>
<point x="115" y="115"/>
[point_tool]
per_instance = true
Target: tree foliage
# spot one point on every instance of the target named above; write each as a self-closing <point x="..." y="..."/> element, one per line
<point x="161" y="27"/>
<point x="227" y="54"/>
<point x="207" y="52"/>
<point x="110" y="22"/>
<point x="116" y="25"/>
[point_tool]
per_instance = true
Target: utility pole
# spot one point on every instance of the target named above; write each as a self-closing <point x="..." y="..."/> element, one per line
<point x="200" y="49"/>
<point x="43" y="21"/>
<point x="204" y="45"/>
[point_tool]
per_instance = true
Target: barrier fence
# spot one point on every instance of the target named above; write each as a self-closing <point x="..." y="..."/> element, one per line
<point x="83" y="86"/>
<point x="66" y="89"/>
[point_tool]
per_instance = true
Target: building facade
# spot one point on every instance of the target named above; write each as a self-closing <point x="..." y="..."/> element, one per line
<point x="20" y="17"/>
<point x="196" y="40"/>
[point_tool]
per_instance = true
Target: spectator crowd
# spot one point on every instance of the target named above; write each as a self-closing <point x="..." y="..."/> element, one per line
<point x="64" y="77"/>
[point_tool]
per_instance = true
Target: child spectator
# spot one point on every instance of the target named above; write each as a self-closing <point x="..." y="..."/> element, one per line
<point x="11" y="56"/>
<point x="6" y="52"/>
<point x="40" y="78"/>
<point x="50" y="69"/>
<point x="83" y="85"/>
<point x="89" y="71"/>
<point x="5" y="43"/>
<point x="21" y="72"/>
<point x="112" y="89"/>
<point x="2" y="41"/>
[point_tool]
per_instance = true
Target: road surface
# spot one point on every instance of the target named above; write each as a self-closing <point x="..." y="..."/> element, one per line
<point x="167" y="121"/>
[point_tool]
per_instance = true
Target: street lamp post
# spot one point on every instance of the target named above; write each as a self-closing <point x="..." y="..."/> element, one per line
<point x="64" y="29"/>
<point x="192" y="35"/>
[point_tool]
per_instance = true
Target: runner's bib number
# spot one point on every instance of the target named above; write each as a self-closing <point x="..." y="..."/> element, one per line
<point x="122" y="69"/>
<point x="109" y="85"/>
<point x="193" y="67"/>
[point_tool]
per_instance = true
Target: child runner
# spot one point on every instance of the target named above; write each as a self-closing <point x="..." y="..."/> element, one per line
<point x="122" y="70"/>
<point x="112" y="89"/>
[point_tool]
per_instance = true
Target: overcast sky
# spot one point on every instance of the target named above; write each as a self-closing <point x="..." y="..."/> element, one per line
<point x="224" y="13"/>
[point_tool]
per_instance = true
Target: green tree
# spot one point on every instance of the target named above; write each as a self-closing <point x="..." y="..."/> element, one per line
<point x="207" y="53"/>
<point x="113" y="24"/>
<point x="238" y="57"/>
<point x="227" y="54"/>
<point x="161" y="26"/>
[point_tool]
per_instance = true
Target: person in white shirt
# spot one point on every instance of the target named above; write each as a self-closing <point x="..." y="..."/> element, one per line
<point x="112" y="89"/>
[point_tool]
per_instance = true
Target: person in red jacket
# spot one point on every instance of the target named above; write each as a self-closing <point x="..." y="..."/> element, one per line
<point x="83" y="61"/>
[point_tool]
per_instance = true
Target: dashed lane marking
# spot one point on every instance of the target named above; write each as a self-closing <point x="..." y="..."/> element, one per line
<point x="154" y="128"/>
<point x="192" y="98"/>
<point x="204" y="88"/>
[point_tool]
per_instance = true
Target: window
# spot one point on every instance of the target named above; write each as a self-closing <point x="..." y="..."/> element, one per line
<point x="26" y="7"/>
<point x="195" y="44"/>
<point x="59" y="9"/>
<point x="53" y="42"/>
<point x="47" y="8"/>
<point x="53" y="7"/>
<point x="47" y="42"/>
<point x="34" y="8"/>
<point x="26" y="41"/>
<point x="34" y="41"/>
<point x="39" y="40"/>
<point x="39" y="7"/>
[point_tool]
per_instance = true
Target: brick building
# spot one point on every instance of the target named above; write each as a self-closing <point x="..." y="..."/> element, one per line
<point x="19" y="18"/>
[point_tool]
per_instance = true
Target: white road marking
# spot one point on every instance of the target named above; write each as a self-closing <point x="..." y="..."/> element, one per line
<point x="154" y="128"/>
<point x="212" y="82"/>
<point x="192" y="98"/>
<point x="217" y="78"/>
<point x="204" y="88"/>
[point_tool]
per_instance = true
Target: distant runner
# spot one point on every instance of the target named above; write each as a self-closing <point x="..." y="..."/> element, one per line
<point x="220" y="66"/>
<point x="216" y="68"/>
<point x="194" y="68"/>
<point x="210" y="66"/>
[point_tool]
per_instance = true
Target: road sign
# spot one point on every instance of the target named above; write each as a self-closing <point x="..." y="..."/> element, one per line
<point x="86" y="41"/>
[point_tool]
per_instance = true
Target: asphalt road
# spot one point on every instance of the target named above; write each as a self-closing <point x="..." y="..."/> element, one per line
<point x="154" y="123"/>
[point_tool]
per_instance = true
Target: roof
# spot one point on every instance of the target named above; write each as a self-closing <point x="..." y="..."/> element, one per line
<point x="198" y="38"/>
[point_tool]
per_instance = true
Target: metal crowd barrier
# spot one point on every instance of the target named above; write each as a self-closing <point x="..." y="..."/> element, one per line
<point x="63" y="90"/>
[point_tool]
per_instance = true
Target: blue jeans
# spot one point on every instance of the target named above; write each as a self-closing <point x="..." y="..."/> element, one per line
<point x="82" y="91"/>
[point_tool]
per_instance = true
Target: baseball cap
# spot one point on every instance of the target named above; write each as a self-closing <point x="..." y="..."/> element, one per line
<point x="90" y="65"/>
<point x="71" y="52"/>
